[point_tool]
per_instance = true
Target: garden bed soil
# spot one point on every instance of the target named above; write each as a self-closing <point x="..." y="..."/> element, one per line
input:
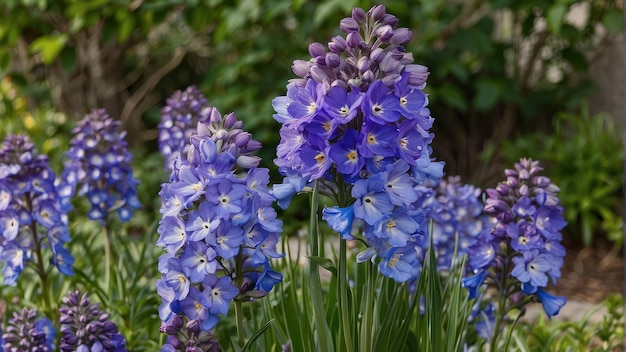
<point x="590" y="274"/>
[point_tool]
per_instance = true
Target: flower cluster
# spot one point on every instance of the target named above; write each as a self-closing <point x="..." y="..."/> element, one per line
<point x="356" y="121"/>
<point x="218" y="226"/>
<point x="525" y="241"/>
<point x="25" y="332"/>
<point x="31" y="214"/>
<point x="179" y="118"/>
<point x="456" y="210"/>
<point x="99" y="167"/>
<point x="84" y="327"/>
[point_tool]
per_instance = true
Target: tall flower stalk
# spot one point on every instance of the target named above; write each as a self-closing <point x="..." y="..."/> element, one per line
<point x="33" y="222"/>
<point x="219" y="230"/>
<point x="355" y="128"/>
<point x="99" y="168"/>
<point x="522" y="253"/>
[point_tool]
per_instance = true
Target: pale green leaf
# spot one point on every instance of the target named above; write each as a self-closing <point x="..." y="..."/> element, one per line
<point x="49" y="46"/>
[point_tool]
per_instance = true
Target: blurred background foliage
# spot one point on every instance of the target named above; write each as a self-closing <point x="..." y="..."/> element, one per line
<point x="508" y="79"/>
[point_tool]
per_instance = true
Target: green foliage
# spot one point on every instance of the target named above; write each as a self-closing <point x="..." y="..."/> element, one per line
<point x="584" y="156"/>
<point x="598" y="335"/>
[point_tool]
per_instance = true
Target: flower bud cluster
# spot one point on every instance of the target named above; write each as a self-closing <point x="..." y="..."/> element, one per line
<point x="179" y="117"/>
<point x="357" y="120"/>
<point x="526" y="240"/>
<point x="84" y="327"/>
<point x="218" y="226"/>
<point x="31" y="214"/>
<point x="372" y="49"/>
<point x="25" y="332"/>
<point x="98" y="166"/>
<point x="185" y="335"/>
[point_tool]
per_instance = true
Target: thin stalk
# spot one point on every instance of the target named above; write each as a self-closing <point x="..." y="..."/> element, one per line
<point x="324" y="338"/>
<point x="367" y="329"/>
<point x="108" y="257"/>
<point x="502" y="295"/>
<point x="343" y="297"/>
<point x="238" y="305"/>
<point x="41" y="272"/>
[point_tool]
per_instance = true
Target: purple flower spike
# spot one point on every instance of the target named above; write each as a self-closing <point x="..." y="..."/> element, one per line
<point x="24" y="332"/>
<point x="99" y="166"/>
<point x="29" y="200"/>
<point x="85" y="327"/>
<point x="217" y="212"/>
<point x="526" y="236"/>
<point x="357" y="108"/>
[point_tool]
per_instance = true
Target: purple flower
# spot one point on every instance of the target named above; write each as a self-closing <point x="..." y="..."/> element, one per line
<point x="217" y="212"/>
<point x="179" y="118"/>
<point x="24" y="332"/>
<point x="85" y="327"/>
<point x="99" y="166"/>
<point x="30" y="210"/>
<point x="371" y="201"/>
<point x="526" y="236"/>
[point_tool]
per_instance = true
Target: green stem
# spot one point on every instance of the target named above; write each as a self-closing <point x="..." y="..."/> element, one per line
<point x="41" y="272"/>
<point x="502" y="296"/>
<point x="238" y="305"/>
<point x="324" y="338"/>
<point x="367" y="329"/>
<point x="108" y="258"/>
<point x="343" y="296"/>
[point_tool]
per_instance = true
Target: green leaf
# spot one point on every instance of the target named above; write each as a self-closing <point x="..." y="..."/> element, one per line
<point x="126" y="25"/>
<point x="613" y="20"/>
<point x="555" y="17"/>
<point x="256" y="335"/>
<point x="488" y="92"/>
<point x="325" y="263"/>
<point x="49" y="46"/>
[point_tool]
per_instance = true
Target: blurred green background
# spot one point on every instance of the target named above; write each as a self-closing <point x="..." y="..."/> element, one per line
<point x="509" y="79"/>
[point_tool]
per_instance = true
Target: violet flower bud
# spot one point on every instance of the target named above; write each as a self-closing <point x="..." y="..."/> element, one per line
<point x="377" y="12"/>
<point x="401" y="36"/>
<point x="316" y="49"/>
<point x="337" y="44"/>
<point x="353" y="39"/>
<point x="389" y="19"/>
<point x="349" y="25"/>
<point x="384" y="32"/>
<point x="358" y="14"/>
<point x="377" y="55"/>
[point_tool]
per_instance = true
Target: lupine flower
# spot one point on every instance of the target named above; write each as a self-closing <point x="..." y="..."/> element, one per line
<point x="84" y="327"/>
<point x="217" y="219"/>
<point x="356" y="119"/>
<point x="99" y="168"/>
<point x="179" y="118"/>
<point x="31" y="213"/>
<point x="526" y="236"/>
<point x="26" y="332"/>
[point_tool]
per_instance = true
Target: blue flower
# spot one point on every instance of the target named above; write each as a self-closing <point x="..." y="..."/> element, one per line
<point x="551" y="304"/>
<point x="473" y="283"/>
<point x="399" y="264"/>
<point x="380" y="105"/>
<point x="29" y="202"/>
<point x="371" y="202"/>
<point x="99" y="166"/>
<point x="217" y="211"/>
<point x="340" y="220"/>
